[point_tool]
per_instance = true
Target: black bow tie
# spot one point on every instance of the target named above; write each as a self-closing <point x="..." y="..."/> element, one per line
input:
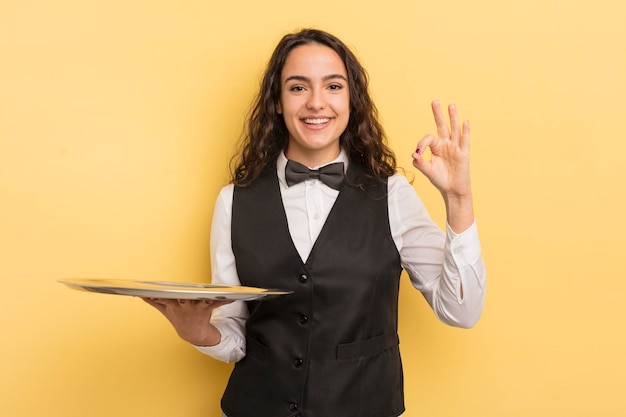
<point x="331" y="174"/>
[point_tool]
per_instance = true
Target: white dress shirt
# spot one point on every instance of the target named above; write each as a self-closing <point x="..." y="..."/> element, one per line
<point x="447" y="268"/>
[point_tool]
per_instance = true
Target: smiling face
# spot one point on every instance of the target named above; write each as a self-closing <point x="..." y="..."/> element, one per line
<point x="314" y="102"/>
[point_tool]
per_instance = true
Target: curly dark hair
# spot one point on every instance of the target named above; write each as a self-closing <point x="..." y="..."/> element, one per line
<point x="266" y="136"/>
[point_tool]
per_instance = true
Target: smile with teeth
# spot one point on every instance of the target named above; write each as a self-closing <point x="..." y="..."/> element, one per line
<point x="316" y="121"/>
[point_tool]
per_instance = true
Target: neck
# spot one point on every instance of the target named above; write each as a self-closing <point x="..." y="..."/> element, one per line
<point x="312" y="158"/>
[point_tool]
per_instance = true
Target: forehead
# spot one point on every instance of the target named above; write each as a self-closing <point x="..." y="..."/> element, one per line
<point x="313" y="60"/>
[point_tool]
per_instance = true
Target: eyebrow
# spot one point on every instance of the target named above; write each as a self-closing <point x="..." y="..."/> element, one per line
<point x="307" y="79"/>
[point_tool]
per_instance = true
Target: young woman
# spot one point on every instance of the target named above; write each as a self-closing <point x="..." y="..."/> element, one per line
<point x="316" y="207"/>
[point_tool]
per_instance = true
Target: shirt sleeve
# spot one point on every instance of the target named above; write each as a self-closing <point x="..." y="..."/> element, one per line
<point x="229" y="319"/>
<point x="448" y="268"/>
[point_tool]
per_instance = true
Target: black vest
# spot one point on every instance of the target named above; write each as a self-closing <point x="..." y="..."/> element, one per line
<point x="330" y="349"/>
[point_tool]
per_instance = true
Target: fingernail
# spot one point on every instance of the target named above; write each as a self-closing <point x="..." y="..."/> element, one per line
<point x="418" y="151"/>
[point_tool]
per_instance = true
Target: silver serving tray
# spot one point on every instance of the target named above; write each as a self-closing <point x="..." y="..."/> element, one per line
<point x="171" y="290"/>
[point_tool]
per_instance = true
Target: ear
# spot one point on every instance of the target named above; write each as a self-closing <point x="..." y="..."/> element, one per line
<point x="279" y="108"/>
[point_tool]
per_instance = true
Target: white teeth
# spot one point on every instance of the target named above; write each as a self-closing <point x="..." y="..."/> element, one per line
<point x="316" y="121"/>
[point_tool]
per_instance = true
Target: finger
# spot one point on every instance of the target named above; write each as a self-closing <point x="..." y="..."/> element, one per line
<point x="454" y="123"/>
<point x="166" y="302"/>
<point x="212" y="304"/>
<point x="219" y="303"/>
<point x="421" y="164"/>
<point x="154" y="303"/>
<point x="418" y="161"/>
<point x="440" y="120"/>
<point x="149" y="301"/>
<point x="424" y="143"/>
<point x="464" y="141"/>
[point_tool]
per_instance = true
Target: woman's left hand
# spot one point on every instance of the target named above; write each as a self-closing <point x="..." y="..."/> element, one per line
<point x="448" y="167"/>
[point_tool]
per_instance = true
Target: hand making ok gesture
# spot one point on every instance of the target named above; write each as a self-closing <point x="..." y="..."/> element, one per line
<point x="448" y="167"/>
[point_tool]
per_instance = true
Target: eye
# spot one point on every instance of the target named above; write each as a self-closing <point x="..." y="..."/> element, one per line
<point x="296" y="88"/>
<point x="335" y="87"/>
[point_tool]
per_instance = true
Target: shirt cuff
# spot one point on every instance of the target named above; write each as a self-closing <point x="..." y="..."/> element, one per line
<point x="227" y="350"/>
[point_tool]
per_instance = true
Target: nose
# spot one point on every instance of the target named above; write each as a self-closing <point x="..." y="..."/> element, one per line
<point x="316" y="100"/>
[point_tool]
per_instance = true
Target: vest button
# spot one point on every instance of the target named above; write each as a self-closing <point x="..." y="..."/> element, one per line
<point x="293" y="407"/>
<point x="303" y="319"/>
<point x="298" y="362"/>
<point x="303" y="278"/>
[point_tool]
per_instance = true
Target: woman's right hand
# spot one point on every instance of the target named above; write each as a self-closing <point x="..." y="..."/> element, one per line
<point x="191" y="318"/>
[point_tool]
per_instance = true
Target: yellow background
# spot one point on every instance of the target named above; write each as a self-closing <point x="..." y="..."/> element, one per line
<point x="118" y="117"/>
